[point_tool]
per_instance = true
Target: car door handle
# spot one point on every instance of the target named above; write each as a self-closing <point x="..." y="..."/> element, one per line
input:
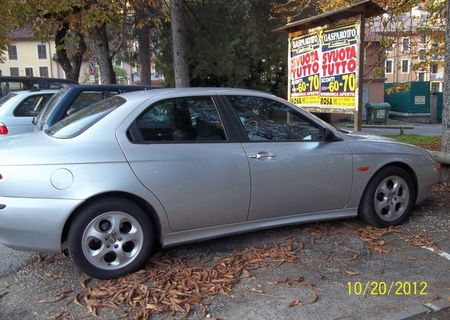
<point x="262" y="154"/>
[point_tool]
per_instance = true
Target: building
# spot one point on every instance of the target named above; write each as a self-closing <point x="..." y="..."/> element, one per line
<point x="414" y="49"/>
<point x="30" y="58"/>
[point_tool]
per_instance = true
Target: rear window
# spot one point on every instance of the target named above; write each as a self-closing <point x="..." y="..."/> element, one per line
<point x="6" y="98"/>
<point x="49" y="106"/>
<point x="79" y="122"/>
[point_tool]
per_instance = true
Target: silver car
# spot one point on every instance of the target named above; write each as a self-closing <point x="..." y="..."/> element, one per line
<point x="17" y="110"/>
<point x="156" y="168"/>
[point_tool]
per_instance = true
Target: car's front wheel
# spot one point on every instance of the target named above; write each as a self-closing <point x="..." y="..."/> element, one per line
<point x="110" y="238"/>
<point x="389" y="197"/>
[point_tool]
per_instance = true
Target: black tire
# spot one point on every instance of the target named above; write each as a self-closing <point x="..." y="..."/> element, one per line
<point x="87" y="217"/>
<point x="367" y="210"/>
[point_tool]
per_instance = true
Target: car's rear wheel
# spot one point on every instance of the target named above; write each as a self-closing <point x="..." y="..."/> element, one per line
<point x="110" y="238"/>
<point x="389" y="197"/>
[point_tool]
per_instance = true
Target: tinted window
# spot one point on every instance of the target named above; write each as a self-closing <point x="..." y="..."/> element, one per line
<point x="31" y="105"/>
<point x="181" y="119"/>
<point x="81" y="121"/>
<point x="87" y="98"/>
<point x="268" y="120"/>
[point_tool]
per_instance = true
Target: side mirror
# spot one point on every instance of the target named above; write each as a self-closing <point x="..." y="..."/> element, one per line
<point x="330" y="136"/>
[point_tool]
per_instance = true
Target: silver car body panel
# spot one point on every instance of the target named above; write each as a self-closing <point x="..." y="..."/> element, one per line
<point x="44" y="180"/>
<point x="18" y="125"/>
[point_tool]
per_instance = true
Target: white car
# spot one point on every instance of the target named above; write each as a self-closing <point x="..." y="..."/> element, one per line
<point x="17" y="110"/>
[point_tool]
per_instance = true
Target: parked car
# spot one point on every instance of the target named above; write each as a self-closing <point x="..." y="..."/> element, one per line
<point x="17" y="110"/>
<point x="169" y="166"/>
<point x="74" y="98"/>
<point x="11" y="84"/>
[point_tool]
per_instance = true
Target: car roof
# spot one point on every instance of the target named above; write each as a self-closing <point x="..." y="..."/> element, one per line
<point x="34" y="91"/>
<point x="169" y="92"/>
<point x="105" y="87"/>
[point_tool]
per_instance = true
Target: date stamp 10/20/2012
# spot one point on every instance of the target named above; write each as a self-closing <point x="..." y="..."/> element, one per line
<point x="386" y="288"/>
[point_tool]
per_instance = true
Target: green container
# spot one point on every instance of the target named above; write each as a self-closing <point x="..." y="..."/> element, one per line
<point x="377" y="112"/>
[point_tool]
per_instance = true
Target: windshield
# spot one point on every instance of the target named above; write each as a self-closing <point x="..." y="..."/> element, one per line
<point x="80" y="121"/>
<point x="40" y="119"/>
<point x="6" y="98"/>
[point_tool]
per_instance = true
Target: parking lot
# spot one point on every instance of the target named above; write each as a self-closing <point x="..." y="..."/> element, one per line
<point x="298" y="272"/>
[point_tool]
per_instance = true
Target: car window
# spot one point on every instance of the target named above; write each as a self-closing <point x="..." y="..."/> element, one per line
<point x="269" y="120"/>
<point x="31" y="105"/>
<point x="181" y="119"/>
<point x="46" y="110"/>
<point x="86" y="98"/>
<point x="7" y="97"/>
<point x="79" y="122"/>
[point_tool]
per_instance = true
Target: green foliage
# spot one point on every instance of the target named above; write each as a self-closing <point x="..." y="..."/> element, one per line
<point x="231" y="44"/>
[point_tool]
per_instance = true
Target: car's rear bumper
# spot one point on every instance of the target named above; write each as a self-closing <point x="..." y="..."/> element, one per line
<point x="34" y="224"/>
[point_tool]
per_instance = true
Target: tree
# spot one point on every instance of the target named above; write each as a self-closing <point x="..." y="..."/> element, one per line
<point x="179" y="39"/>
<point x="445" y="169"/>
<point x="7" y="22"/>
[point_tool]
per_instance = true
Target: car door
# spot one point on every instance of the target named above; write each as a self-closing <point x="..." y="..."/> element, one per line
<point x="293" y="170"/>
<point x="179" y="149"/>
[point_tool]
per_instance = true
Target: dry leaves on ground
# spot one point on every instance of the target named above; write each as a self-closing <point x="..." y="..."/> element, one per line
<point x="177" y="285"/>
<point x="312" y="300"/>
<point x="64" y="315"/>
<point x="3" y="290"/>
<point x="60" y="296"/>
<point x="373" y="236"/>
<point x="419" y="240"/>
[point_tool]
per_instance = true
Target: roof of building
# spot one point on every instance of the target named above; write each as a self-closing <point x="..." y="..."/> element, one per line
<point x="366" y="7"/>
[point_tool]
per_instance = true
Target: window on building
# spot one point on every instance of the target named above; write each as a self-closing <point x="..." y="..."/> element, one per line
<point x="421" y="76"/>
<point x="405" y="66"/>
<point x="14" y="71"/>
<point x="389" y="45"/>
<point x="434" y="68"/>
<point x="42" y="51"/>
<point x="423" y="39"/>
<point x="435" y="86"/>
<point x="29" y="71"/>
<point x="406" y="44"/>
<point x="422" y="55"/>
<point x="43" y="72"/>
<point x="12" y="52"/>
<point x="389" y="67"/>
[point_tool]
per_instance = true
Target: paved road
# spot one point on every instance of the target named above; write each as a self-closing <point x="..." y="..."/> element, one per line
<point x="331" y="254"/>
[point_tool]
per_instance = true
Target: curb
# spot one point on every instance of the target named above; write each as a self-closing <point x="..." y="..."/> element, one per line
<point x="429" y="307"/>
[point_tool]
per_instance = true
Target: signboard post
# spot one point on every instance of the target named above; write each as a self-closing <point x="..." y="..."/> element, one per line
<point x="326" y="60"/>
<point x="92" y="70"/>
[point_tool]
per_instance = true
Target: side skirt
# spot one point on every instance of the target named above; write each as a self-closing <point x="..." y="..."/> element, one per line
<point x="175" y="238"/>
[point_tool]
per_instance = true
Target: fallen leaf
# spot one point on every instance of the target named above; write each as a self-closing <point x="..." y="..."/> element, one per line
<point x="355" y="256"/>
<point x="60" y="296"/>
<point x="295" y="302"/>
<point x="352" y="273"/>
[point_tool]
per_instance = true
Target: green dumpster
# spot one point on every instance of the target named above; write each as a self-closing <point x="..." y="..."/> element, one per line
<point x="377" y="112"/>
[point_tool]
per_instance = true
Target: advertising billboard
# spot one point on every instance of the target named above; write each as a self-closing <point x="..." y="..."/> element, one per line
<point x="323" y="69"/>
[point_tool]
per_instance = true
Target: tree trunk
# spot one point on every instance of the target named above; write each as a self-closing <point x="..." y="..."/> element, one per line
<point x="102" y="54"/>
<point x="144" y="54"/>
<point x="445" y="169"/>
<point x="71" y="68"/>
<point x="179" y="40"/>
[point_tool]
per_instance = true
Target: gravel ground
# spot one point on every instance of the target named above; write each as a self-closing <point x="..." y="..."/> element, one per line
<point x="310" y="283"/>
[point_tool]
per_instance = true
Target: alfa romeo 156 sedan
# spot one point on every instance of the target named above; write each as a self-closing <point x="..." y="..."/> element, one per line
<point x="156" y="168"/>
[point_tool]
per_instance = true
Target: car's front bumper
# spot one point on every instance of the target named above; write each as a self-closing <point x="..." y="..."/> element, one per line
<point x="34" y="224"/>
